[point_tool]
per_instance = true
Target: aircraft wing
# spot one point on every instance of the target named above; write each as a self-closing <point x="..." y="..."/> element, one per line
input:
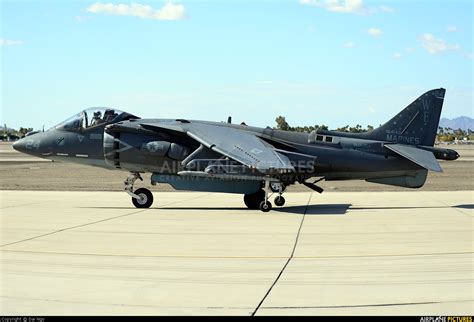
<point x="170" y="128"/>
<point x="241" y="146"/>
<point x="236" y="144"/>
<point x="423" y="158"/>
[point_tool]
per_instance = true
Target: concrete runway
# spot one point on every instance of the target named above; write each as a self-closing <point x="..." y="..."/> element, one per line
<point x="340" y="253"/>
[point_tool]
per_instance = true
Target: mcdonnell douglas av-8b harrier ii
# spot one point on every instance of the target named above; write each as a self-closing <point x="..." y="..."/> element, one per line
<point x="231" y="158"/>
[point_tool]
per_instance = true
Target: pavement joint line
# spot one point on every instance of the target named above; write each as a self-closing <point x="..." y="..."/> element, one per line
<point x="234" y="257"/>
<point x="363" y="305"/>
<point x="27" y="204"/>
<point x="37" y="203"/>
<point x="69" y="228"/>
<point x="251" y="233"/>
<point x="444" y="204"/>
<point x="240" y="307"/>
<point x="95" y="222"/>
<point x="289" y="258"/>
<point x="115" y="304"/>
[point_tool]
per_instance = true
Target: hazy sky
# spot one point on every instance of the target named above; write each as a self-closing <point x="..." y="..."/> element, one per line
<point x="335" y="62"/>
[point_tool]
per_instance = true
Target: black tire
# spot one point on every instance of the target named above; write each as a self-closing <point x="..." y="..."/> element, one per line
<point x="253" y="200"/>
<point x="249" y="201"/>
<point x="279" y="201"/>
<point x="147" y="198"/>
<point x="265" y="206"/>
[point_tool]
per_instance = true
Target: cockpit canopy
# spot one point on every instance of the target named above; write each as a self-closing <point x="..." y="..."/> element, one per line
<point x="93" y="117"/>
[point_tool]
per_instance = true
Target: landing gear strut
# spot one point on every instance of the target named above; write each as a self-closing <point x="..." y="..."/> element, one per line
<point x="266" y="205"/>
<point x="277" y="187"/>
<point x="141" y="198"/>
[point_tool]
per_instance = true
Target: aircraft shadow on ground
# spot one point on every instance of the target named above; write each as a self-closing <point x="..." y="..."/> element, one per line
<point x="332" y="209"/>
<point x="328" y="209"/>
<point x="412" y="207"/>
<point x="325" y="209"/>
<point x="468" y="206"/>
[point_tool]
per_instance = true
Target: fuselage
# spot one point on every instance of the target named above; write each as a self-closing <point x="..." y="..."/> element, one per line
<point x="241" y="159"/>
<point x="337" y="156"/>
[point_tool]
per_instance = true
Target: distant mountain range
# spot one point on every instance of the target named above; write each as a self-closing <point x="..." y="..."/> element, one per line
<point x="462" y="122"/>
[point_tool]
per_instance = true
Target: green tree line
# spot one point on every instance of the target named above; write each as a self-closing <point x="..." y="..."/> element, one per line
<point x="6" y="132"/>
<point x="282" y="124"/>
<point x="445" y="134"/>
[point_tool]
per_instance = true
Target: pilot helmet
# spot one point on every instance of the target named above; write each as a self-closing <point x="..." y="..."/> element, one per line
<point x="109" y="114"/>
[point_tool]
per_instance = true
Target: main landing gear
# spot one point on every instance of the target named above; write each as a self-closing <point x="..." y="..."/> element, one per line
<point x="142" y="197"/>
<point x="279" y="201"/>
<point x="259" y="199"/>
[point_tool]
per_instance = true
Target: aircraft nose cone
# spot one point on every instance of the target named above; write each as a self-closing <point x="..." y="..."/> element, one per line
<point x="28" y="145"/>
<point x="20" y="145"/>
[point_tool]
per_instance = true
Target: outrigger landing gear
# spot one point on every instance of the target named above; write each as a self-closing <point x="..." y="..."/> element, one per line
<point x="141" y="198"/>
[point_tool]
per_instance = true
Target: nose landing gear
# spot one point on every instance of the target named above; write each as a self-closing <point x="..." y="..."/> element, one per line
<point x="142" y="197"/>
<point x="144" y="200"/>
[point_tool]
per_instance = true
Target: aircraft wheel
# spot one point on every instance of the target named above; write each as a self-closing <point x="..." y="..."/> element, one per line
<point x="146" y="198"/>
<point x="265" y="206"/>
<point x="279" y="201"/>
<point x="252" y="201"/>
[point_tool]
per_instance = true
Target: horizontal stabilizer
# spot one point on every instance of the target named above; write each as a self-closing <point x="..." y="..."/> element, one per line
<point x="423" y="158"/>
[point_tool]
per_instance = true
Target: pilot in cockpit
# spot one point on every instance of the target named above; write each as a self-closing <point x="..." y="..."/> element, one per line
<point x="109" y="115"/>
<point x="93" y="117"/>
<point x="96" y="119"/>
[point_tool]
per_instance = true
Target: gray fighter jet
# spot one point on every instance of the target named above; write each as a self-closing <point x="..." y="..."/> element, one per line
<point x="231" y="158"/>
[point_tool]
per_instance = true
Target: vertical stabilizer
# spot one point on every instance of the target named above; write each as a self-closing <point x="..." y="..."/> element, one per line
<point x="417" y="124"/>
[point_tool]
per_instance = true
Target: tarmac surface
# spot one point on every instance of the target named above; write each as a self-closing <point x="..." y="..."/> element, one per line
<point x="339" y="253"/>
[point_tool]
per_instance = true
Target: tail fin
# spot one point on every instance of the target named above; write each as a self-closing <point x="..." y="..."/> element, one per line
<point x="417" y="124"/>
